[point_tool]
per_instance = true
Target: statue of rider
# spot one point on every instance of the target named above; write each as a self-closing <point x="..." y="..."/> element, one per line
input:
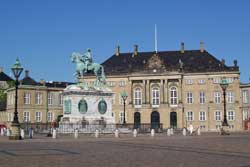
<point x="87" y="60"/>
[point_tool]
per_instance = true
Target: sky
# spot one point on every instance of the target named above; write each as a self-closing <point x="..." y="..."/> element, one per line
<point x="43" y="34"/>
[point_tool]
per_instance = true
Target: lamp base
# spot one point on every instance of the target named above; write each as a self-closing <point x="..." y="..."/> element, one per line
<point x="15" y="132"/>
<point x="224" y="130"/>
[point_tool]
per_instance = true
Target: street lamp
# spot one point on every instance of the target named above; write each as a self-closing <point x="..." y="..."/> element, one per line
<point x="224" y="85"/>
<point x="15" y="126"/>
<point x="124" y="96"/>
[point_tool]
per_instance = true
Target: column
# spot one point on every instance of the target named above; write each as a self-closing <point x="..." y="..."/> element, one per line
<point x="162" y="91"/>
<point x="165" y="85"/>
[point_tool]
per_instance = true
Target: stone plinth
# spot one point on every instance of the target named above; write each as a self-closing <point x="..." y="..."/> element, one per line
<point x="87" y="104"/>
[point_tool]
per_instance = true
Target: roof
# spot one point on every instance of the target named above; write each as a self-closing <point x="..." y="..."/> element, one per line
<point x="4" y="77"/>
<point x="191" y="61"/>
<point x="28" y="81"/>
<point x="56" y="84"/>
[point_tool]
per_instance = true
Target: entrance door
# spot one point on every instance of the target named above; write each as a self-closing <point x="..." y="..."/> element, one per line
<point x="137" y="120"/>
<point x="173" y="120"/>
<point x="155" y="120"/>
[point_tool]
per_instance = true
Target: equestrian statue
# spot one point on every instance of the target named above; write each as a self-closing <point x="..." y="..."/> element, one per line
<point x="85" y="65"/>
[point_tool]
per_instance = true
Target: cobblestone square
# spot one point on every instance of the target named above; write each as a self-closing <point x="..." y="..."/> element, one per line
<point x="206" y="150"/>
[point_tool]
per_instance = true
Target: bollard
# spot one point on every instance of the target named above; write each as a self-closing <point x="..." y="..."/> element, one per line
<point x="31" y="133"/>
<point x="135" y="133"/>
<point x="199" y="131"/>
<point x="152" y="132"/>
<point x="76" y="134"/>
<point x="22" y="133"/>
<point x="116" y="133"/>
<point x="169" y="132"/>
<point x="184" y="132"/>
<point x="54" y="134"/>
<point x="96" y="133"/>
<point x="2" y="131"/>
<point x="8" y="132"/>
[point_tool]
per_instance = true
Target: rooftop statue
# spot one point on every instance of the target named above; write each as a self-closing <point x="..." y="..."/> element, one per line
<point x="85" y="65"/>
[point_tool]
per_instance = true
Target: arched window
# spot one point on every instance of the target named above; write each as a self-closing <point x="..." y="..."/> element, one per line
<point x="137" y="97"/>
<point x="155" y="97"/>
<point x="173" y="96"/>
<point x="67" y="106"/>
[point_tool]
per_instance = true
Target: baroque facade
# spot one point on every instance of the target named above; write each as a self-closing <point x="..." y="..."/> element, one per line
<point x="166" y="88"/>
<point x="245" y="92"/>
<point x="37" y="101"/>
<point x="173" y="88"/>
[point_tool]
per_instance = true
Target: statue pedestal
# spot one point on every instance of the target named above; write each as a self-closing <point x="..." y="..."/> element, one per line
<point x="15" y="132"/>
<point x="224" y="130"/>
<point x="86" y="105"/>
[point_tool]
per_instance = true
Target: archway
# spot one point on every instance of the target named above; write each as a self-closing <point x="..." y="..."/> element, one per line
<point x="137" y="120"/>
<point x="155" y="120"/>
<point x="173" y="120"/>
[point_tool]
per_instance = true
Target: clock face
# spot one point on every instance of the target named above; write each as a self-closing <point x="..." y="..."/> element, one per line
<point x="83" y="106"/>
<point x="102" y="107"/>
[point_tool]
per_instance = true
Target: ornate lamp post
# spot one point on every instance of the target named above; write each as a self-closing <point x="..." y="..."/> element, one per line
<point x="224" y="85"/>
<point x="15" y="126"/>
<point x="124" y="96"/>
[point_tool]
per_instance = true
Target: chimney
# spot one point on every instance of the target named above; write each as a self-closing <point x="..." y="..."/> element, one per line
<point x="182" y="47"/>
<point x="135" y="51"/>
<point x="1" y="69"/>
<point x="235" y="63"/>
<point x="117" y="50"/>
<point x="42" y="82"/>
<point x="27" y="73"/>
<point x="223" y="62"/>
<point x="202" y="47"/>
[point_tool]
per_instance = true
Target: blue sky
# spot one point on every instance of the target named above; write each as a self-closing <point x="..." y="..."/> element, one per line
<point x="43" y="34"/>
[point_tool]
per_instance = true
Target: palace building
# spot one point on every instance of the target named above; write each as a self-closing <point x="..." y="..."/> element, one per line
<point x="173" y="88"/>
<point x="165" y="88"/>
<point x="38" y="102"/>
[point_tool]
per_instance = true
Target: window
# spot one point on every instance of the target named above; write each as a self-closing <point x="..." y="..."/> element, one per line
<point x="189" y="97"/>
<point x="113" y="99"/>
<point x="201" y="81"/>
<point x="155" y="97"/>
<point x="189" y="81"/>
<point x="111" y="83"/>
<point x="10" y="117"/>
<point x="50" y="117"/>
<point x="60" y="99"/>
<point x="202" y="116"/>
<point x="217" y="97"/>
<point x="137" y="97"/>
<point x="121" y="116"/>
<point x="38" y="117"/>
<point x="230" y="97"/>
<point x="230" y="80"/>
<point x="246" y="115"/>
<point x="202" y="127"/>
<point x="245" y="96"/>
<point x="230" y="115"/>
<point x="216" y="80"/>
<point x="120" y="100"/>
<point x="38" y="98"/>
<point x="173" y="96"/>
<point x="231" y="126"/>
<point x="217" y="115"/>
<point x="202" y="98"/>
<point x="50" y="98"/>
<point x="26" y="98"/>
<point x="26" y="116"/>
<point x="190" y="116"/>
<point x="122" y="83"/>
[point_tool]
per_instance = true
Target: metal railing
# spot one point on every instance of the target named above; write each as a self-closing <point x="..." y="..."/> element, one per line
<point x="89" y="128"/>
